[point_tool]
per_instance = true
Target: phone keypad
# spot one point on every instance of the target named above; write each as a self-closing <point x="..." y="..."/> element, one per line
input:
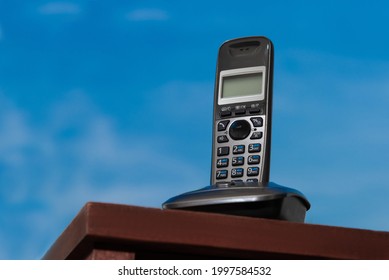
<point x="239" y="158"/>
<point x="239" y="161"/>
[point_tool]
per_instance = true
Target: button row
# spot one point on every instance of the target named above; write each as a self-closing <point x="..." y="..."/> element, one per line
<point x="236" y="161"/>
<point x="256" y="121"/>
<point x="237" y="172"/>
<point x="239" y="149"/>
<point x="255" y="135"/>
<point x="239" y="110"/>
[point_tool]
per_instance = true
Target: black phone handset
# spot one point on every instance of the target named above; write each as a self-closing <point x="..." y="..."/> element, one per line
<point x="242" y="111"/>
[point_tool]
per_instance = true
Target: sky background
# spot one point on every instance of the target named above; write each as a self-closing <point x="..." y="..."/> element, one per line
<point x="112" y="101"/>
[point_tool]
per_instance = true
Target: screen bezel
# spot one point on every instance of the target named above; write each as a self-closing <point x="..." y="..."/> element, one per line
<point x="237" y="72"/>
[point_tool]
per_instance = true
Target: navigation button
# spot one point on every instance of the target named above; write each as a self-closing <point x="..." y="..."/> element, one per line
<point x="240" y="129"/>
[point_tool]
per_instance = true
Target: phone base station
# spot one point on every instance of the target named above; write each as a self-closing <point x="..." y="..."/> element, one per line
<point x="269" y="201"/>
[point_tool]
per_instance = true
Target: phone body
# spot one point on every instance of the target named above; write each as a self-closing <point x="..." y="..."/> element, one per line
<point x="242" y="111"/>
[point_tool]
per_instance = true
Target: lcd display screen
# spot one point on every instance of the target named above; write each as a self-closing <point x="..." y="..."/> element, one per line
<point x="242" y="85"/>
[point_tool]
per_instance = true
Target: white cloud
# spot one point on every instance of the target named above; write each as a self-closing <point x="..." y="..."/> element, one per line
<point x="13" y="135"/>
<point x="78" y="146"/>
<point x="49" y="170"/>
<point x="57" y="8"/>
<point x="148" y="15"/>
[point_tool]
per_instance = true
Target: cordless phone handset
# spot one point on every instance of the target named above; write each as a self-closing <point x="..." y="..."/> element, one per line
<point x="242" y="111"/>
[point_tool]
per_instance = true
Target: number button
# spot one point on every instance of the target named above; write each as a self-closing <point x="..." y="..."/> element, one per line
<point x="236" y="172"/>
<point x="237" y="161"/>
<point x="222" y="125"/>
<point x="252" y="171"/>
<point x="223" y="162"/>
<point x="254" y="148"/>
<point x="238" y="149"/>
<point x="253" y="159"/>
<point x="221" y="174"/>
<point x="223" y="151"/>
<point x="237" y="181"/>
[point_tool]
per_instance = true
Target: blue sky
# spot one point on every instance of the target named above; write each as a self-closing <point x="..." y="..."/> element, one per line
<point x="112" y="101"/>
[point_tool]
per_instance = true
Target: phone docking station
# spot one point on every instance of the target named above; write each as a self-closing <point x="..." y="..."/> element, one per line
<point x="270" y="201"/>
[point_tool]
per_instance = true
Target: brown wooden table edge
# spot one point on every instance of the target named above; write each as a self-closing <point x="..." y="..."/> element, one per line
<point x="86" y="228"/>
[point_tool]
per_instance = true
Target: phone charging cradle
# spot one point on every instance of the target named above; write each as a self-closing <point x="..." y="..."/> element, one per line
<point x="269" y="201"/>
